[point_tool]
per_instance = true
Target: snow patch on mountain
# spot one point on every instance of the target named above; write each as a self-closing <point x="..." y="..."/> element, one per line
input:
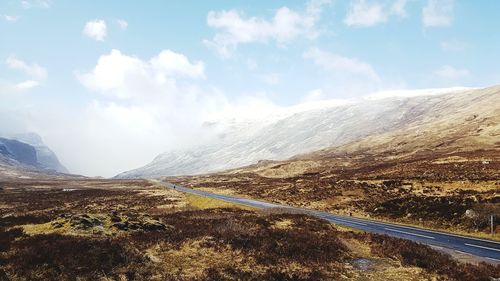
<point x="295" y="130"/>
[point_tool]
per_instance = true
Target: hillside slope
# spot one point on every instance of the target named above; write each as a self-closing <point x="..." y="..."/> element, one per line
<point x="325" y="127"/>
<point x="25" y="156"/>
<point x="440" y="170"/>
<point x="45" y="156"/>
<point x="13" y="151"/>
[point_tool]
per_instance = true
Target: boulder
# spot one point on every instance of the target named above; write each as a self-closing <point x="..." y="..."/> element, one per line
<point x="141" y="225"/>
<point x="153" y="226"/>
<point x="85" y="222"/>
<point x="470" y="213"/>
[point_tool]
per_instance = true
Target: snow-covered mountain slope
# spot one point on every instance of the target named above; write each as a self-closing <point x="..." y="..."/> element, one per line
<point x="310" y="129"/>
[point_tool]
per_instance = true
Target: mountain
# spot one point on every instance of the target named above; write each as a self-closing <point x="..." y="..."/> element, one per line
<point x="435" y="169"/>
<point x="369" y="123"/>
<point x="13" y="151"/>
<point x="45" y="156"/>
<point x="23" y="155"/>
<point x="458" y="140"/>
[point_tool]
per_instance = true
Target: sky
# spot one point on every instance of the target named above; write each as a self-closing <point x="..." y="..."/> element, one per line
<point x="111" y="84"/>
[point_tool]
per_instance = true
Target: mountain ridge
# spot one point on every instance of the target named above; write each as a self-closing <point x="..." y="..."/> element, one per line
<point x="46" y="157"/>
<point x="312" y="130"/>
<point x="25" y="156"/>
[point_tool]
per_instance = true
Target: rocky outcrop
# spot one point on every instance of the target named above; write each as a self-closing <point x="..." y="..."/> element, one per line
<point x="46" y="158"/>
<point x="18" y="151"/>
<point x="26" y="156"/>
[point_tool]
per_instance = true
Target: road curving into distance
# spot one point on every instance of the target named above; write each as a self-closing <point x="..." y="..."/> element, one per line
<point x="487" y="250"/>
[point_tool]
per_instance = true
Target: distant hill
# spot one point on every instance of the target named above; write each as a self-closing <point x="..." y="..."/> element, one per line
<point x="25" y="155"/>
<point x="415" y="120"/>
<point x="45" y="156"/>
<point x="459" y="139"/>
<point x="17" y="151"/>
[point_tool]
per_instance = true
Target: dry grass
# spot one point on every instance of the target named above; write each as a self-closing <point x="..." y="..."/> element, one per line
<point x="395" y="274"/>
<point x="224" y="191"/>
<point x="200" y="202"/>
<point x="283" y="224"/>
<point x="431" y="189"/>
<point x="105" y="233"/>
<point x="191" y="259"/>
<point x="286" y="170"/>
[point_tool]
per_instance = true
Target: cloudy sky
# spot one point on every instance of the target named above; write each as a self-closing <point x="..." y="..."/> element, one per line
<point x="110" y="84"/>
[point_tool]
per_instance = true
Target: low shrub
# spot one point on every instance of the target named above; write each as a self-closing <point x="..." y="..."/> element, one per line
<point x="6" y="237"/>
<point x="59" y="257"/>
<point x="415" y="254"/>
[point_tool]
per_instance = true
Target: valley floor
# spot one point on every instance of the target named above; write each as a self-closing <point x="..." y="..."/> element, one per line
<point x="454" y="192"/>
<point x="135" y="230"/>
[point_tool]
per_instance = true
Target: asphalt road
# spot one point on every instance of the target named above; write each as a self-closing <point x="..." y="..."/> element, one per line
<point x="487" y="250"/>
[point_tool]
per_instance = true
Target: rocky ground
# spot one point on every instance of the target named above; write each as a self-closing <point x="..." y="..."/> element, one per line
<point x="134" y="230"/>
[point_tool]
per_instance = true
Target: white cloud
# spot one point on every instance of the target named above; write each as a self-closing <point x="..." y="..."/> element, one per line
<point x="438" y="13"/>
<point x="28" y="84"/>
<point x="369" y="13"/>
<point x="28" y="4"/>
<point x="343" y="76"/>
<point x="136" y="130"/>
<point x="33" y="70"/>
<point x="341" y="64"/>
<point x="454" y="46"/>
<point x="114" y="74"/>
<point x="236" y="28"/>
<point x="155" y="104"/>
<point x="406" y="93"/>
<point x="124" y="76"/>
<point x="95" y="29"/>
<point x="171" y="63"/>
<point x="36" y="75"/>
<point x="156" y="97"/>
<point x="123" y="24"/>
<point x="8" y="88"/>
<point x="363" y="13"/>
<point x="11" y="18"/>
<point x="313" y="95"/>
<point x="398" y="8"/>
<point x="450" y="72"/>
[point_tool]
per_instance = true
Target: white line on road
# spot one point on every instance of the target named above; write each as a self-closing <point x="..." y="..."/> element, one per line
<point x="349" y="221"/>
<point x="359" y="223"/>
<point x="482" y="247"/>
<point x="436" y="232"/>
<point x="409" y="233"/>
<point x="493" y="259"/>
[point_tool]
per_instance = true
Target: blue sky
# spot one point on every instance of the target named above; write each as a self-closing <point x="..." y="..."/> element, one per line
<point x="123" y="74"/>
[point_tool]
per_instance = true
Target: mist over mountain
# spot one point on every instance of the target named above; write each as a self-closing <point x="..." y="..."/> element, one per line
<point x="285" y="135"/>
<point x="23" y="154"/>
<point x="45" y="156"/>
<point x="13" y="151"/>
